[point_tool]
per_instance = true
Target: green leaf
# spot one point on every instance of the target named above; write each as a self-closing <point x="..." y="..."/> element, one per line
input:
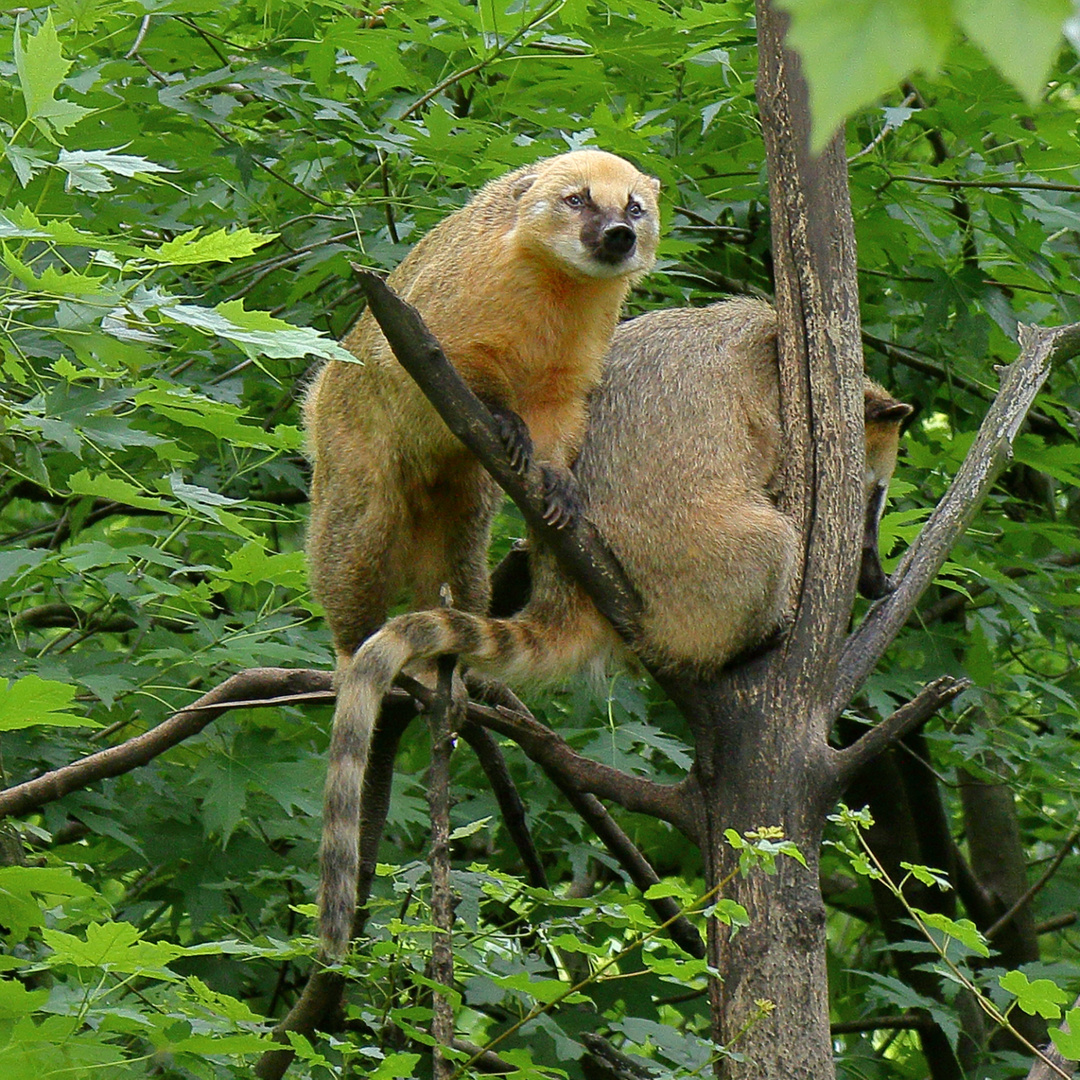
<point x="1068" y="1042"/>
<point x="854" y="52"/>
<point x="20" y="886"/>
<point x="16" y="1001"/>
<point x="87" y="169"/>
<point x="107" y="487"/>
<point x="257" y="333"/>
<point x="927" y="875"/>
<point x="41" y="68"/>
<point x="963" y="930"/>
<point x="1041" y="996"/>
<point x="1021" y="37"/>
<point x="37" y="702"/>
<point x="190" y="248"/>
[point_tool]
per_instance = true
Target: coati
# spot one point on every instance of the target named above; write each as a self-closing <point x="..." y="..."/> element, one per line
<point x="522" y="287"/>
<point x="682" y="446"/>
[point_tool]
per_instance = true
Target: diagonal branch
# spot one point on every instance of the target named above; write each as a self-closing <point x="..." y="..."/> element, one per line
<point x="578" y="546"/>
<point x="638" y="869"/>
<point x="849" y="761"/>
<point x="566" y="766"/>
<point x="506" y="794"/>
<point x="551" y="751"/>
<point x="989" y="454"/>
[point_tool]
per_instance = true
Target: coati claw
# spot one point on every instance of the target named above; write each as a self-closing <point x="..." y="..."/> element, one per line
<point x="516" y="440"/>
<point x="562" y="499"/>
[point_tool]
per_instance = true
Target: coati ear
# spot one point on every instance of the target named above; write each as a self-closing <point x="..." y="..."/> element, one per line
<point x="654" y="184"/>
<point x="887" y="412"/>
<point x="523" y="183"/>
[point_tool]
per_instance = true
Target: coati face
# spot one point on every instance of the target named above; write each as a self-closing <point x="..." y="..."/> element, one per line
<point x="883" y="415"/>
<point x="592" y="212"/>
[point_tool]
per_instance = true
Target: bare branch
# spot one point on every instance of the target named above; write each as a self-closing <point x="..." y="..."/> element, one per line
<point x="893" y="728"/>
<point x="637" y="867"/>
<point x="988" y="456"/>
<point x="578" y="546"/>
<point x="253" y="688"/>
<point x="506" y="794"/>
<point x="1030" y="893"/>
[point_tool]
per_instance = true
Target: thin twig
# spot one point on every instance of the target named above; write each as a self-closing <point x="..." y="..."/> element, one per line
<point x="441" y="720"/>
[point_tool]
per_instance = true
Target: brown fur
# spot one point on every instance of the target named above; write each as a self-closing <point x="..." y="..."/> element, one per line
<point x="675" y="471"/>
<point x="523" y="288"/>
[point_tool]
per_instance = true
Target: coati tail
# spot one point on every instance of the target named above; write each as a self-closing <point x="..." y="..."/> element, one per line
<point x="529" y="646"/>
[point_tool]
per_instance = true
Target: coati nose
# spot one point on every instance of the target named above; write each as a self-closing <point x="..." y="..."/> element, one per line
<point x="618" y="240"/>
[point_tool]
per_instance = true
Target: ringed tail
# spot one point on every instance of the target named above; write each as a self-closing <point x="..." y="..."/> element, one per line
<point x="524" y="647"/>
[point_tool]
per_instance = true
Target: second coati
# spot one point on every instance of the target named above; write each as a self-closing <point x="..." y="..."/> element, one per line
<point x="523" y="287"/>
<point x="675" y="471"/>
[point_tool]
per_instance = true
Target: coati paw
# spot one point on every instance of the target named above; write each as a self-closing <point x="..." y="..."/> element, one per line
<point x="516" y="440"/>
<point x="562" y="500"/>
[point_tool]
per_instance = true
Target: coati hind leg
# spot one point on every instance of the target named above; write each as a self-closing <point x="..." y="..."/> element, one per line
<point x="355" y="559"/>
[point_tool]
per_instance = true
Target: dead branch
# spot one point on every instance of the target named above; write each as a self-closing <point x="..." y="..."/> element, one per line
<point x="894" y="727"/>
<point x="1020" y="382"/>
<point x="255" y="687"/>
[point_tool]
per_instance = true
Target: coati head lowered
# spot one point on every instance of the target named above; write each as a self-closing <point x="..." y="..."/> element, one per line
<point x="590" y="211"/>
<point x="883" y="415"/>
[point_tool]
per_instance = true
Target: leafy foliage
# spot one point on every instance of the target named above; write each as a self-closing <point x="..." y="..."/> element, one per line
<point x="184" y="185"/>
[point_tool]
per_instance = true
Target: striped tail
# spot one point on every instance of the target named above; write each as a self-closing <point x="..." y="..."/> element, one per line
<point x="524" y="647"/>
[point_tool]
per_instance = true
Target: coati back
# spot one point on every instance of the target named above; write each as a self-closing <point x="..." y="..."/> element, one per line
<point x="523" y="287"/>
<point x="675" y="471"/>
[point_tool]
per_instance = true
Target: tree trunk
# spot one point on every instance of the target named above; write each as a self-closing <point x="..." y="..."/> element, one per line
<point x="761" y="729"/>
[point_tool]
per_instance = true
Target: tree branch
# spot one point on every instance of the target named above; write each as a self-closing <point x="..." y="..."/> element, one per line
<point x="578" y="546"/>
<point x="893" y="728"/>
<point x="251" y="688"/>
<point x="506" y="794"/>
<point x="551" y="751"/>
<point x="1029" y="894"/>
<point x="988" y="456"/>
<point x="637" y="867"/>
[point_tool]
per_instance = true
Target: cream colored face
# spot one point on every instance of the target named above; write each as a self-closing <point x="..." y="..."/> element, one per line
<point x="593" y="211"/>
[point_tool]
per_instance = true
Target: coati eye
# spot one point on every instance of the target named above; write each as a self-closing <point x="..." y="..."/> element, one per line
<point x="574" y="201"/>
<point x="634" y="209"/>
